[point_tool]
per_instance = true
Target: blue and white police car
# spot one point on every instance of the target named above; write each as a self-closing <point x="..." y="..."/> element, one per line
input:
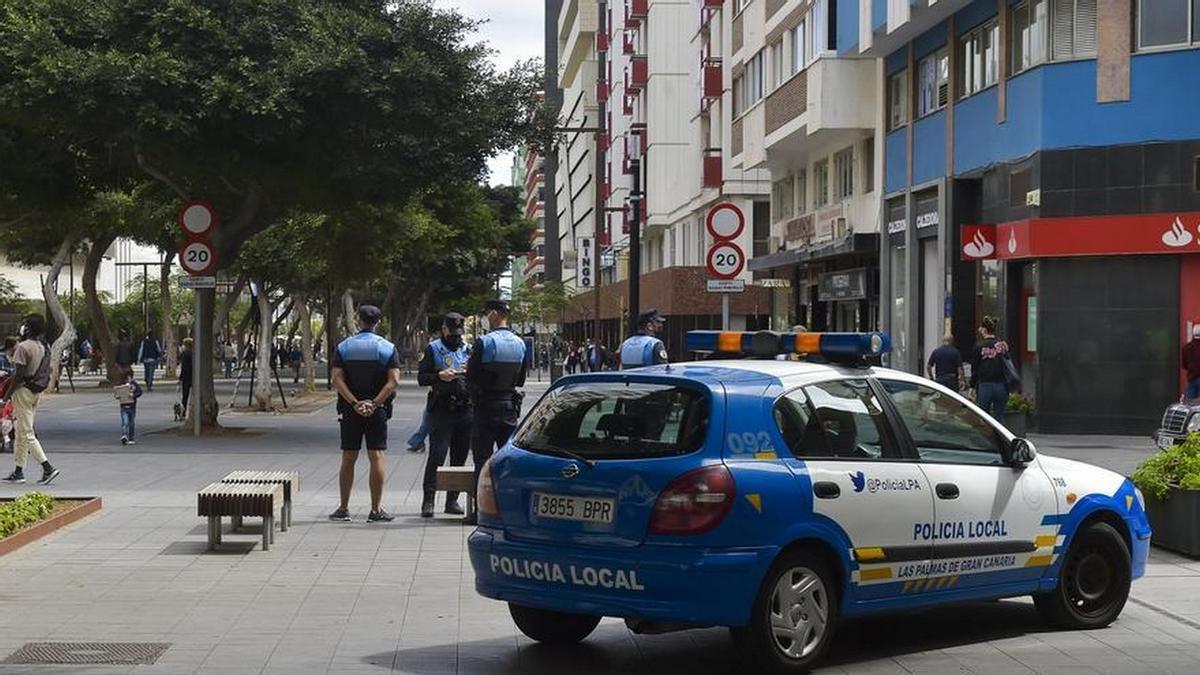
<point x="777" y="496"/>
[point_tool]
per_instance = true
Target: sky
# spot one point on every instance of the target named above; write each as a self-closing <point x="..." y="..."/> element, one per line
<point x="513" y="28"/>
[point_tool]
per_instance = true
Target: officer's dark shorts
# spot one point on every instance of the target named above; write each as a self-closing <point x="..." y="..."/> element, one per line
<point x="356" y="429"/>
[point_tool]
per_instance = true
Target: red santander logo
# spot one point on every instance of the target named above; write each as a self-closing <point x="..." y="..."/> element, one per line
<point x="978" y="242"/>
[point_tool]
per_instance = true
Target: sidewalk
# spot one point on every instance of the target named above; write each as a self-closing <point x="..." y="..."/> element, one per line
<point x="366" y="598"/>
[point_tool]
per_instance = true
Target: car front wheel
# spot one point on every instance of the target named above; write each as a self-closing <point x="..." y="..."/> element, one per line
<point x="794" y="615"/>
<point x="1093" y="583"/>
<point x="551" y="627"/>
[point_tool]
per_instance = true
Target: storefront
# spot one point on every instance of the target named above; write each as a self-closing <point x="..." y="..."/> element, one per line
<point x="833" y="285"/>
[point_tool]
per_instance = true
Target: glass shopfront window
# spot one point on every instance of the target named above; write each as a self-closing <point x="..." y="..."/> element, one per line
<point x="899" y="320"/>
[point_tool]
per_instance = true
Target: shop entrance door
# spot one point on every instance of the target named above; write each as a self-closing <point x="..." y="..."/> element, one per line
<point x="931" y="299"/>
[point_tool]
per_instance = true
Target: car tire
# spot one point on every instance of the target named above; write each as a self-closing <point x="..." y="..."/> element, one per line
<point x="551" y="627"/>
<point x="1093" y="581"/>
<point x="785" y="635"/>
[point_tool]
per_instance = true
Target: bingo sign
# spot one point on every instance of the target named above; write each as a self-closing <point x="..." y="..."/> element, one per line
<point x="197" y="256"/>
<point x="587" y="262"/>
<point x="725" y="222"/>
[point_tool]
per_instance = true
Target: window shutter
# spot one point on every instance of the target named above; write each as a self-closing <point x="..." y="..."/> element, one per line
<point x="1085" y="27"/>
<point x="1063" y="29"/>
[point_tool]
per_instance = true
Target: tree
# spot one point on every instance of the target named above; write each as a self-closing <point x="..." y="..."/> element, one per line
<point x="263" y="107"/>
<point x="540" y="306"/>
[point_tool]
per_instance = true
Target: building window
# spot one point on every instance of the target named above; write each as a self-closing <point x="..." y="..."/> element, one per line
<point x="800" y="47"/>
<point x="802" y="191"/>
<point x="739" y="95"/>
<point x="978" y="59"/>
<point x="748" y="87"/>
<point x="898" y="100"/>
<point x="843" y="171"/>
<point x="818" y="19"/>
<point x="1074" y="29"/>
<point x="777" y="60"/>
<point x="739" y="5"/>
<point x="821" y="184"/>
<point x="1030" y="21"/>
<point x="868" y="163"/>
<point x="783" y="198"/>
<point x="933" y="86"/>
<point x="1165" y="23"/>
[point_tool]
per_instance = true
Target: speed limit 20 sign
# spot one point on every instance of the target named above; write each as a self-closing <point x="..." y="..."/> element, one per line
<point x="725" y="260"/>
<point x="198" y="257"/>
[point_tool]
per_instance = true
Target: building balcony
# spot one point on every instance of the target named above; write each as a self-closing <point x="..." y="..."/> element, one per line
<point x="533" y="178"/>
<point x="636" y="11"/>
<point x="711" y="170"/>
<point x="577" y="24"/>
<point x="712" y="78"/>
<point x="637" y="75"/>
<point x="532" y="208"/>
<point x="895" y="23"/>
<point x="831" y="98"/>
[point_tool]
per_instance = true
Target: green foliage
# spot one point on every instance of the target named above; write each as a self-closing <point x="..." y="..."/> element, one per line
<point x="1177" y="466"/>
<point x="541" y="305"/>
<point x="1020" y="403"/>
<point x="24" y="510"/>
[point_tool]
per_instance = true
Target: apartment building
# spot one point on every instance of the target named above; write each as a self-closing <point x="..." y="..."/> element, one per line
<point x="529" y="175"/>
<point x="647" y="110"/>
<point x="1041" y="166"/>
<point x="805" y="107"/>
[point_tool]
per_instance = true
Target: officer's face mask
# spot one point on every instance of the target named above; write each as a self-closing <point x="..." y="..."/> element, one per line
<point x="453" y="341"/>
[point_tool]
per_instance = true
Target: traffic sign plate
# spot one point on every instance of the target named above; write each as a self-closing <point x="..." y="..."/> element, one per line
<point x="725" y="221"/>
<point x="194" y="282"/>
<point x="197" y="218"/>
<point x="197" y="257"/>
<point x="725" y="260"/>
<point x="726" y="286"/>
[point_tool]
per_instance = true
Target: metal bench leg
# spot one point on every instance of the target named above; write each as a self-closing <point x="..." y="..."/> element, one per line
<point x="285" y="518"/>
<point x="235" y="523"/>
<point x="213" y="524"/>
<point x="267" y="530"/>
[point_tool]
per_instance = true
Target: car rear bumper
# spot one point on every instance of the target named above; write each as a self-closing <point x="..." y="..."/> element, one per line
<point x="662" y="583"/>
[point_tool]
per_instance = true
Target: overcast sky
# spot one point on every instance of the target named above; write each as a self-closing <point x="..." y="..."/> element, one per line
<point x="513" y="28"/>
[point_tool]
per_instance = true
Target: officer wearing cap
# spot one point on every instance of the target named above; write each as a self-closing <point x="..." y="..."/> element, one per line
<point x="365" y="372"/>
<point x="443" y="369"/>
<point x="496" y="369"/>
<point x="643" y="348"/>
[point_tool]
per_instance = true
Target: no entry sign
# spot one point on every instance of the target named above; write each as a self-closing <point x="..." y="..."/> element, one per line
<point x="725" y="260"/>
<point x="725" y="221"/>
<point x="197" y="219"/>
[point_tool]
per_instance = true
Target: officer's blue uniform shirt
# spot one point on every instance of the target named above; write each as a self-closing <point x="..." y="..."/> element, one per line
<point x="500" y="357"/>
<point x="444" y="357"/>
<point x="641" y="349"/>
<point x="365" y="358"/>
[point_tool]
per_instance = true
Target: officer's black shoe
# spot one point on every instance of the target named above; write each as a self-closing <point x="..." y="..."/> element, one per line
<point x="427" y="506"/>
<point x="452" y="508"/>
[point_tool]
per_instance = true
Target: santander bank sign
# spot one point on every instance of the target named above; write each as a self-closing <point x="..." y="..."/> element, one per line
<point x="1138" y="234"/>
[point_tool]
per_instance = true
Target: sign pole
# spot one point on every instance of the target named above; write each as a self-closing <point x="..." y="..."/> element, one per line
<point x="196" y="347"/>
<point x="724" y="311"/>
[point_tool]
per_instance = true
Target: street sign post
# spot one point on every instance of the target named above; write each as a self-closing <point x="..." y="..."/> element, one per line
<point x="725" y="261"/>
<point x="197" y="257"/>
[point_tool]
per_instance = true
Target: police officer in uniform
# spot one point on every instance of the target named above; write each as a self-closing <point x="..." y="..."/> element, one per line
<point x="495" y="370"/>
<point x="365" y="371"/>
<point x="443" y="369"/>
<point x="643" y="348"/>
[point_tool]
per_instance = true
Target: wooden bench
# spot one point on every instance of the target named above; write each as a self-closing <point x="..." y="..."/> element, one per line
<point x="291" y="484"/>
<point x="238" y="500"/>
<point x="458" y="479"/>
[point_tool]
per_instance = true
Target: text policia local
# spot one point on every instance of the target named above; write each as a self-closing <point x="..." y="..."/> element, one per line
<point x="538" y="570"/>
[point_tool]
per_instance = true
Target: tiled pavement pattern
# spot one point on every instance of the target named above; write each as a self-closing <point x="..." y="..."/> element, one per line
<point x="359" y="598"/>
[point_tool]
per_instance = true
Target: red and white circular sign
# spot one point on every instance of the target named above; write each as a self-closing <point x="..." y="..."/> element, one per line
<point x="197" y="219"/>
<point x="197" y="257"/>
<point x="725" y="260"/>
<point x="725" y="221"/>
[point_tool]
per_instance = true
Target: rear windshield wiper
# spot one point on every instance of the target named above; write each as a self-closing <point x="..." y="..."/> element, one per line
<point x="563" y="452"/>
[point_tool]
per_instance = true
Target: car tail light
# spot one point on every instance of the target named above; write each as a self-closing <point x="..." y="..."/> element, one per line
<point x="694" y="502"/>
<point x="485" y="493"/>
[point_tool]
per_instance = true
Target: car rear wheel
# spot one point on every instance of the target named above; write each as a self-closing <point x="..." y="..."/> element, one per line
<point x="551" y="627"/>
<point x="794" y="615"/>
<point x="1093" y="583"/>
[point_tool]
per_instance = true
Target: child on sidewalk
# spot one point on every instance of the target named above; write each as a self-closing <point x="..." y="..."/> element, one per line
<point x="127" y="395"/>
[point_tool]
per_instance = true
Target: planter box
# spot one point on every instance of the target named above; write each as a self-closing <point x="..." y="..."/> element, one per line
<point x="1176" y="521"/>
<point x="88" y="506"/>
<point x="1017" y="423"/>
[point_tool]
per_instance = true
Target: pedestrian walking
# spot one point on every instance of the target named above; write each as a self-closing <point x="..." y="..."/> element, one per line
<point x="149" y="354"/>
<point x="496" y="369"/>
<point x="946" y="364"/>
<point x="365" y="373"/>
<point x="416" y="442"/>
<point x="185" y="373"/>
<point x="229" y="358"/>
<point x="1191" y="365"/>
<point x="990" y="371"/>
<point x="597" y="356"/>
<point x="31" y="376"/>
<point x="125" y="353"/>
<point x="443" y="369"/>
<point x="643" y="348"/>
<point x="127" y="396"/>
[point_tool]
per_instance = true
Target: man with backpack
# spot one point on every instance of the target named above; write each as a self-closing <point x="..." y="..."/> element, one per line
<point x="31" y="376"/>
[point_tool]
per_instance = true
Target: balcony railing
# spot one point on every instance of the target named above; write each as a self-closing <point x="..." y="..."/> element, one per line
<point x="712" y="74"/>
<point x="638" y="74"/>
<point x="711" y="175"/>
<point x="635" y="12"/>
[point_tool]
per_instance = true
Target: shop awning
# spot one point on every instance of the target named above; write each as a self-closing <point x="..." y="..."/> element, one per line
<point x="848" y="245"/>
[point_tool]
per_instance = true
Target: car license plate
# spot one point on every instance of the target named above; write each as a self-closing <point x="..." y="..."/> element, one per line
<point x="1164" y="441"/>
<point x="565" y="507"/>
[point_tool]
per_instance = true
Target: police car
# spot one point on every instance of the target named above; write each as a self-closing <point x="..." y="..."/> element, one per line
<point x="776" y="497"/>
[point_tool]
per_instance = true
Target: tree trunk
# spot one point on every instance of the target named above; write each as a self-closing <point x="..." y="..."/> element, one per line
<point x="209" y="407"/>
<point x="168" y="325"/>
<point x="349" y="313"/>
<point x="95" y="310"/>
<point x="66" y="339"/>
<point x="266" y="327"/>
<point x="309" y="370"/>
<point x="226" y="307"/>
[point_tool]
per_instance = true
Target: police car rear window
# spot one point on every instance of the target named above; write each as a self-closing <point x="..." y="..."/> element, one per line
<point x="617" y="420"/>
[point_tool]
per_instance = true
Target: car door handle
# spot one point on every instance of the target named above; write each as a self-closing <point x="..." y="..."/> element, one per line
<point x="826" y="490"/>
<point x="947" y="491"/>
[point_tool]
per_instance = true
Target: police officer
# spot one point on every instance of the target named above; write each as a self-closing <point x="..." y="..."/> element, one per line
<point x="365" y="370"/>
<point x="643" y="348"/>
<point x="496" y="368"/>
<point x="443" y="369"/>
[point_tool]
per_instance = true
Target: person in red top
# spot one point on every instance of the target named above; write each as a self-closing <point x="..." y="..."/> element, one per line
<point x="1191" y="364"/>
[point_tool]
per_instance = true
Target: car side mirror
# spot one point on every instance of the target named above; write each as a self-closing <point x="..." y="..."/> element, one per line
<point x="1019" y="453"/>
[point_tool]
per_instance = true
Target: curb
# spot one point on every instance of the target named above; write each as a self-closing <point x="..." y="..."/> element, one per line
<point x="45" y="527"/>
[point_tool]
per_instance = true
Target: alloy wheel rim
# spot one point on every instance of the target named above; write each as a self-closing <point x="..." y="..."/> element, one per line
<point x="799" y="612"/>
